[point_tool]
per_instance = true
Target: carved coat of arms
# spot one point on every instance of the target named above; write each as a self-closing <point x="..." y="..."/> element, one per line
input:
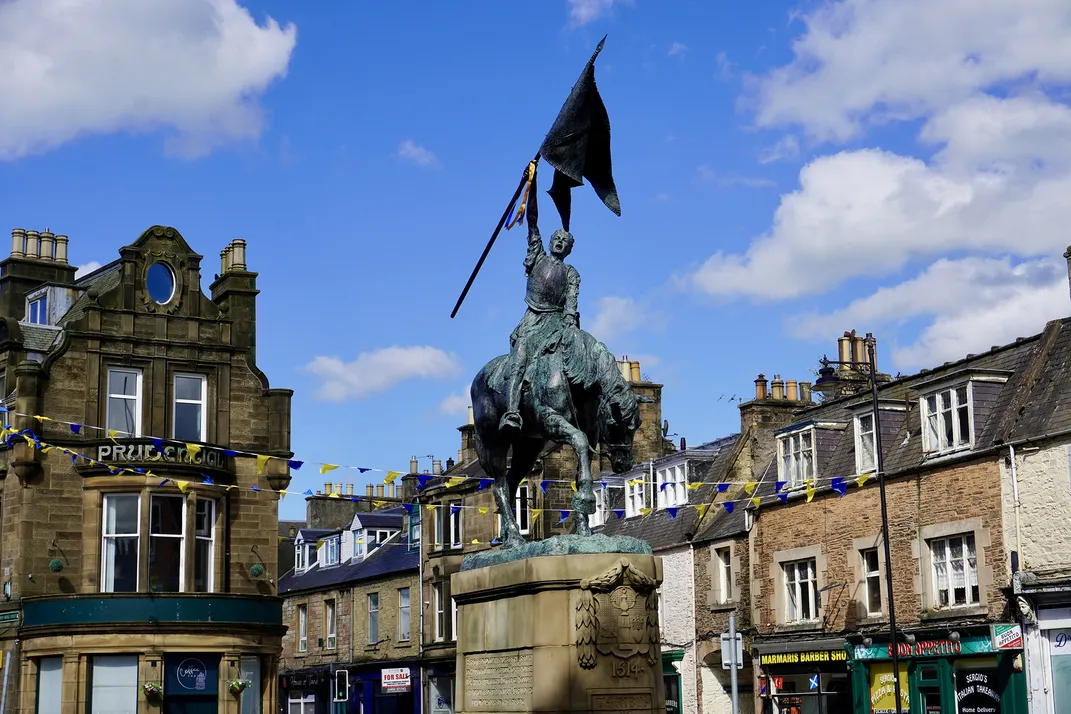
<point x="617" y="614"/>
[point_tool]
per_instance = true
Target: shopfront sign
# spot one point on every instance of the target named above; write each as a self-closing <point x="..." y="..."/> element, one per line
<point x="191" y="674"/>
<point x="127" y="453"/>
<point x="806" y="657"/>
<point x="927" y="648"/>
<point x="883" y="689"/>
<point x="976" y="693"/>
<point x="308" y="679"/>
<point x="1007" y="637"/>
<point x="395" y="681"/>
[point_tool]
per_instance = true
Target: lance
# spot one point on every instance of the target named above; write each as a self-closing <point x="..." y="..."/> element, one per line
<point x="573" y="174"/>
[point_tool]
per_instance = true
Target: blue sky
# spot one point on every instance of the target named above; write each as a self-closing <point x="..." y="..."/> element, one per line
<point x="787" y="171"/>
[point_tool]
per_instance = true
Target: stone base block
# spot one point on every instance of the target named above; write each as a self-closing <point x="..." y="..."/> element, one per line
<point x="556" y="634"/>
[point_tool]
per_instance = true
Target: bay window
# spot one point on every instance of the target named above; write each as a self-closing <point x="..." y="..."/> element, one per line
<point x="166" y="543"/>
<point x="120" y="533"/>
<point x="204" y="546"/>
<point x="440" y="612"/>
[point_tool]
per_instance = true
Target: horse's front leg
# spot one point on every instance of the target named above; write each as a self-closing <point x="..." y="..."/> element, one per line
<point x="560" y="430"/>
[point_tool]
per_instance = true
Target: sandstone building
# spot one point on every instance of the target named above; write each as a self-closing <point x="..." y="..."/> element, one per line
<point x="138" y="498"/>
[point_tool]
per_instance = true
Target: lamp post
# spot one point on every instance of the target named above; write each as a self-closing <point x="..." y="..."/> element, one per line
<point x="828" y="378"/>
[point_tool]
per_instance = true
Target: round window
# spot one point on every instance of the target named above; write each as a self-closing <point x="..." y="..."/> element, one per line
<point x="161" y="283"/>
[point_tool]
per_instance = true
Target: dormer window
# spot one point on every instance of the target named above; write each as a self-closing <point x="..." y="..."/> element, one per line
<point x="37" y="310"/>
<point x="672" y="486"/>
<point x="865" y="444"/>
<point x="796" y="463"/>
<point x="329" y="552"/>
<point x="635" y="496"/>
<point x="946" y="420"/>
<point x="369" y="540"/>
<point x="299" y="558"/>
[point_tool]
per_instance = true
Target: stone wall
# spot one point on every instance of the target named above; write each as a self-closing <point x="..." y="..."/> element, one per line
<point x="1044" y="506"/>
<point x="317" y="653"/>
<point x="677" y="626"/>
<point x="390" y="646"/>
<point x="712" y="619"/>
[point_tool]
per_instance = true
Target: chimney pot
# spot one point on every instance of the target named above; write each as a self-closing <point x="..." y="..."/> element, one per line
<point x="338" y="488"/>
<point x="238" y="254"/>
<point x="61" y="249"/>
<point x="858" y="349"/>
<point x="449" y="464"/>
<point x="760" y="387"/>
<point x="436" y="466"/>
<point x="18" y="243"/>
<point x="390" y="491"/>
<point x="379" y="490"/>
<point x="369" y="490"/>
<point x="32" y="244"/>
<point x="48" y="242"/>
<point x="327" y="489"/>
<point x="460" y="456"/>
<point x="472" y="419"/>
<point x="634" y="371"/>
<point x="778" y="387"/>
<point x="790" y="391"/>
<point x="349" y="489"/>
<point x="414" y="466"/>
<point x="805" y="391"/>
<point x="844" y="350"/>
<point x="223" y="262"/>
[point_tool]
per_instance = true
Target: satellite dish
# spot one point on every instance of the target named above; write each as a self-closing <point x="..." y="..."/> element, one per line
<point x="665" y="427"/>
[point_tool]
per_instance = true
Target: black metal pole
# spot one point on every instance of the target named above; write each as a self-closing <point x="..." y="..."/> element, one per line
<point x="880" y="464"/>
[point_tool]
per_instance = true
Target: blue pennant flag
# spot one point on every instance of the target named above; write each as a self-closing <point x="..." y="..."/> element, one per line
<point x="230" y="452"/>
<point x="157" y="444"/>
<point x="208" y="480"/>
<point x="839" y="486"/>
<point x="355" y="499"/>
<point x="454" y="508"/>
<point x="76" y="428"/>
<point x="780" y="485"/>
<point x="603" y="482"/>
<point x="543" y="485"/>
<point x="672" y="513"/>
<point x="139" y="470"/>
<point x="565" y="516"/>
<point x="783" y="497"/>
<point x="309" y="492"/>
<point x="662" y="486"/>
<point x="495" y="541"/>
<point x="408" y="508"/>
<point x="163" y="482"/>
<point x="364" y="469"/>
<point x="723" y="487"/>
<point x="74" y="456"/>
<point x="619" y="512"/>
<point x="729" y="506"/>
<point x="422" y="482"/>
<point x="295" y="464"/>
<point x="256" y="488"/>
<point x="484" y="483"/>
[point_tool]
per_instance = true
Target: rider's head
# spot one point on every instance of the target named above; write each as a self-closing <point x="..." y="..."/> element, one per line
<point x="561" y="244"/>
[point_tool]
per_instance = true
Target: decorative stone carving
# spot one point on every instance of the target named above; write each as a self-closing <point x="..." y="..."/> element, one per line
<point x="617" y="614"/>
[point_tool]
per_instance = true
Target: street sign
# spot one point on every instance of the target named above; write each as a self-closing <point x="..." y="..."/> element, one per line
<point x="727" y="651"/>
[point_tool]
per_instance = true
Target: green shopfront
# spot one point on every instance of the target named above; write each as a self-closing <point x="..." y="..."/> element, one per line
<point x="976" y="671"/>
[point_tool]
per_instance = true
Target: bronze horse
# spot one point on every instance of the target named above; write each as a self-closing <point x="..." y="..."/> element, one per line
<point x="598" y="407"/>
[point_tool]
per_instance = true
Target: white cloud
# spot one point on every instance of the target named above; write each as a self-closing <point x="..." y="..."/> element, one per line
<point x="581" y="12"/>
<point x="677" y="48"/>
<point x="618" y="316"/>
<point x="379" y="371"/>
<point x="786" y="148"/>
<point x="194" y="69"/>
<point x="973" y="304"/>
<point x="724" y="66"/>
<point x="86" y="269"/>
<point x="709" y="175"/>
<point x="455" y="404"/>
<point x="417" y="155"/>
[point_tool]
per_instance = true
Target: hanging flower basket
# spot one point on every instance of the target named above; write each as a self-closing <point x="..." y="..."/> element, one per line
<point x="152" y="690"/>
<point x="237" y="686"/>
<point x="256" y="570"/>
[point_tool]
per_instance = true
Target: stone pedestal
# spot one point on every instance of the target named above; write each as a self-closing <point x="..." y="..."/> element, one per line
<point x="561" y="633"/>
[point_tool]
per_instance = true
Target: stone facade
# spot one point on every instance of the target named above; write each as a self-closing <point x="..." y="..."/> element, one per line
<point x="712" y="609"/>
<point x="86" y="491"/>
<point x="678" y="616"/>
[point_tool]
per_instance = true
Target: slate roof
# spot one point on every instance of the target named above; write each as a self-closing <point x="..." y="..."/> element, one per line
<point x="1034" y="401"/>
<point x="313" y="534"/>
<point x="387" y="518"/>
<point x="101" y="280"/>
<point x="708" y="463"/>
<point x="39" y="338"/>
<point x="391" y="558"/>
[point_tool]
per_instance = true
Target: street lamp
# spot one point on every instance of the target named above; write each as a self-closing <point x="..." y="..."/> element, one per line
<point x="828" y="378"/>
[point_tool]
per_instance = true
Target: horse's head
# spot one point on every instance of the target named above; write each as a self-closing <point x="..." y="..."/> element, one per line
<point x="618" y="430"/>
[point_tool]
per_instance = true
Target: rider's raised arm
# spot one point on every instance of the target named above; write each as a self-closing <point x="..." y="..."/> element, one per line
<point x="535" y="241"/>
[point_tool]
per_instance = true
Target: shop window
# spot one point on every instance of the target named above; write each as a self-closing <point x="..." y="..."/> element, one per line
<point x="373" y="618"/>
<point x="301" y="703"/>
<point x="124" y="401"/>
<point x="672" y="486"/>
<point x="37" y="310"/>
<point x="796" y="464"/>
<point x="189" y="418"/>
<point x="329" y="623"/>
<point x="166" y="543"/>
<point x="303" y="628"/>
<point x="521" y="509"/>
<point x="441" y="695"/>
<point x="49" y="685"/>
<point x="440" y="612"/>
<point x="946" y="420"/>
<point x="955" y="571"/>
<point x="122" y="518"/>
<point x="865" y="444"/>
<point x="635" y="496"/>
<point x="455" y="511"/>
<point x="801" y="591"/>
<point x="204" y="546"/>
<point x="403" y="615"/>
<point x="115" y="684"/>
<point x="1059" y="642"/>
<point x="723" y="573"/>
<point x="251" y="694"/>
<point x="872" y="581"/>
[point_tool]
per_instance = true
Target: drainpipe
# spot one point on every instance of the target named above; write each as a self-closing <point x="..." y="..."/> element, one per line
<point x="1015" y="495"/>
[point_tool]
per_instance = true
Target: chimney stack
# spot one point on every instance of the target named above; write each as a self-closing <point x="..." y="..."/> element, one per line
<point x="369" y="490"/>
<point x="414" y="465"/>
<point x="790" y="391"/>
<point x="805" y="391"/>
<point x="844" y="350"/>
<point x="379" y="491"/>
<point x="327" y="489"/>
<point x="349" y="489"/>
<point x="436" y="466"/>
<point x="760" y="387"/>
<point x="778" y="387"/>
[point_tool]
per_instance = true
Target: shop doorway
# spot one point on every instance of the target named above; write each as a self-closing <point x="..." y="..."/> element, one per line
<point x="387" y="703"/>
<point x="191" y="705"/>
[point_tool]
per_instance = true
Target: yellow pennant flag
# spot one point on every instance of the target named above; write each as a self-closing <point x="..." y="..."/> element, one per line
<point x="112" y="433"/>
<point x="863" y="478"/>
<point x="483" y="510"/>
<point x="333" y="495"/>
<point x="379" y="504"/>
<point x="431" y="506"/>
<point x="183" y="486"/>
<point x="573" y="484"/>
<point x="475" y="541"/>
<point x="391" y="476"/>
<point x="636" y="481"/>
<point x="194" y="449"/>
<point x="694" y="486"/>
<point x="29" y="440"/>
<point x="701" y="509"/>
<point x="231" y="486"/>
<point x="750" y="487"/>
<point x="42" y="418"/>
<point x="262" y="461"/>
<point x="536" y="513"/>
<point x="325" y="468"/>
<point x="455" y="481"/>
<point x="644" y="512"/>
<point x="282" y="495"/>
<point x="811" y="490"/>
<point x="45" y="449"/>
<point x="756" y="500"/>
